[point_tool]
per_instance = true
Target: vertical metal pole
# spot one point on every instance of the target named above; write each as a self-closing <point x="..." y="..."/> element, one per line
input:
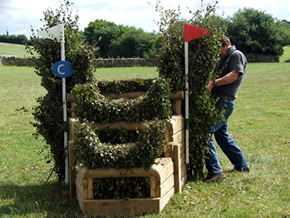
<point x="186" y="103"/>
<point x="62" y="41"/>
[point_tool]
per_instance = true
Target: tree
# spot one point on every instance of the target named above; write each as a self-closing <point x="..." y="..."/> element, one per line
<point x="101" y="33"/>
<point x="254" y="31"/>
<point x="120" y="41"/>
<point x="284" y="26"/>
<point x="132" y="43"/>
<point x="17" y="39"/>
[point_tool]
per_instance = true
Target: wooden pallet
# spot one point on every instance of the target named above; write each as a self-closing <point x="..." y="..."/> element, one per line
<point x="161" y="190"/>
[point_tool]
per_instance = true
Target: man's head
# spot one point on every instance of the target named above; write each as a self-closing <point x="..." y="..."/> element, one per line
<point x="226" y="43"/>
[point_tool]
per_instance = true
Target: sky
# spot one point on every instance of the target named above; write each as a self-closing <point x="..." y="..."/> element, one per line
<point x="17" y="16"/>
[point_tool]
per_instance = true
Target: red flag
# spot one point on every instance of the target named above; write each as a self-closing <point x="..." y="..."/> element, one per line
<point x="193" y="32"/>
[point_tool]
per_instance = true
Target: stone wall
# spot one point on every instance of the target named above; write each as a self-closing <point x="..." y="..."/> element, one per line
<point x="126" y="62"/>
<point x="15" y="61"/>
<point x="261" y="58"/>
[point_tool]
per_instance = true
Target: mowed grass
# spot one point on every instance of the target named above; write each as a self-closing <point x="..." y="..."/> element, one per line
<point x="260" y="126"/>
<point x="11" y="49"/>
<point x="124" y="73"/>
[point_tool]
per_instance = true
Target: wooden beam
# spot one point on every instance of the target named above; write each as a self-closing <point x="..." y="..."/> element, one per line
<point x="131" y="95"/>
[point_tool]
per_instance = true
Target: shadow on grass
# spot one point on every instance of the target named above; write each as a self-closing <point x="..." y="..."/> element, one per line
<point x="46" y="200"/>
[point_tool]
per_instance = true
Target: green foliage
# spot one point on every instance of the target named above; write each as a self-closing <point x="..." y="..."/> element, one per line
<point x="101" y="33"/>
<point x="121" y="188"/>
<point x="120" y="41"/>
<point x="203" y="54"/>
<point x="254" y="31"/>
<point x="124" y="86"/>
<point x="133" y="43"/>
<point x="284" y="27"/>
<point x="93" y="153"/>
<point x="17" y="39"/>
<point x="48" y="114"/>
<point x="94" y="107"/>
<point x="118" y="148"/>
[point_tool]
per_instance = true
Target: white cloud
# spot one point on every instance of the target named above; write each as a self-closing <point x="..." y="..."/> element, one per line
<point x="18" y="15"/>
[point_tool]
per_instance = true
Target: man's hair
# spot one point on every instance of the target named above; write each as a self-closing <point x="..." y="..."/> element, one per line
<point x="225" y="40"/>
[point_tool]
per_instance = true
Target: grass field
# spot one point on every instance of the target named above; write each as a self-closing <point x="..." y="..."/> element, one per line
<point x="260" y="126"/>
<point x="11" y="49"/>
<point x="19" y="51"/>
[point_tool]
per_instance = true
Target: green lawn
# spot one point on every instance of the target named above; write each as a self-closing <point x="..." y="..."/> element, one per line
<point x="260" y="126"/>
<point x="286" y="54"/>
<point x="11" y="49"/>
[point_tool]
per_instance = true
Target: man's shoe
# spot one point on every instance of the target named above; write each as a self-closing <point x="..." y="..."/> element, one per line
<point x="242" y="169"/>
<point x="213" y="177"/>
<point x="239" y="169"/>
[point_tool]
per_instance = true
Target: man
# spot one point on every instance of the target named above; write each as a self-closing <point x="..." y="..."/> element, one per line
<point x="232" y="68"/>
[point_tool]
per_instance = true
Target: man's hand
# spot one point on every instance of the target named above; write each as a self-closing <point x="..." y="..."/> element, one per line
<point x="227" y="79"/>
<point x="210" y="86"/>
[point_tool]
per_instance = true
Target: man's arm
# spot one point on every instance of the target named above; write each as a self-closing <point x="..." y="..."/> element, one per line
<point x="227" y="79"/>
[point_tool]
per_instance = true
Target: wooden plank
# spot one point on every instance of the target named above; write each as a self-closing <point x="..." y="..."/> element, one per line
<point x="90" y="189"/>
<point x="120" y="125"/>
<point x="154" y="187"/>
<point x="70" y="98"/>
<point x="80" y="198"/>
<point x="169" y="151"/>
<point x="73" y="106"/>
<point x="175" y="124"/>
<point x="166" y="199"/>
<point x="177" y="95"/>
<point x="128" y="207"/>
<point x="80" y="189"/>
<point x="179" y="167"/>
<point x="72" y="122"/>
<point x="117" y="173"/>
<point x="166" y="185"/>
<point x="128" y="95"/>
<point x="166" y="171"/>
<point x="177" y="107"/>
<point x="178" y="137"/>
<point x="181" y="155"/>
<point x="135" y="172"/>
<point x="183" y="175"/>
<point x="177" y="170"/>
<point x="85" y="189"/>
<point x="72" y="172"/>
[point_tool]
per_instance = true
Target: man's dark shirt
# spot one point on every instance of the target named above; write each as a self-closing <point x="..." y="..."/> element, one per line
<point x="235" y="61"/>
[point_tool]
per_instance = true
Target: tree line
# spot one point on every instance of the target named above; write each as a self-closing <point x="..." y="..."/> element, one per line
<point x="251" y="30"/>
<point x="16" y="39"/>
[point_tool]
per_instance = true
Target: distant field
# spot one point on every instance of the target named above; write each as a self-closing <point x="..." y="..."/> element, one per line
<point x="19" y="51"/>
<point x="11" y="49"/>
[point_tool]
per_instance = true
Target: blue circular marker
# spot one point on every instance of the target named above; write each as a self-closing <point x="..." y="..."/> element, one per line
<point x="62" y="69"/>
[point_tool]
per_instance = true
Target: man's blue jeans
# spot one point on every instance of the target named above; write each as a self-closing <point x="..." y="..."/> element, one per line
<point x="226" y="143"/>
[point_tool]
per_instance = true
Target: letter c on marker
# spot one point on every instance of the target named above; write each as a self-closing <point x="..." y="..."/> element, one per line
<point x="58" y="69"/>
